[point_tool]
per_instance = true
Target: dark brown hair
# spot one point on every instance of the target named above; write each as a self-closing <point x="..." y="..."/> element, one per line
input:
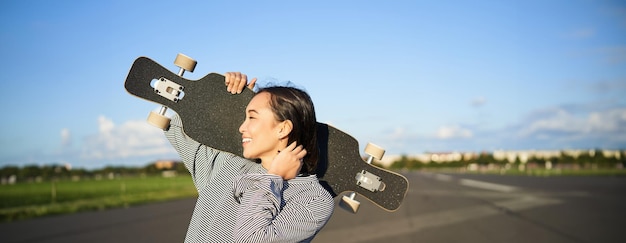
<point x="293" y="104"/>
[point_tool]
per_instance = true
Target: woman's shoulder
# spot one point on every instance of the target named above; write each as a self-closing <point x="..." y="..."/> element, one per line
<point x="308" y="185"/>
<point x="307" y="191"/>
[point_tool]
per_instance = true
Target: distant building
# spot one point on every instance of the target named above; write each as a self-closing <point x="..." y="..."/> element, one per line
<point x="503" y="155"/>
<point x="165" y="164"/>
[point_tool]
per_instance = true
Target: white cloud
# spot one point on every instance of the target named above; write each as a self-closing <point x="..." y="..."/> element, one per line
<point x="609" y="124"/>
<point x="130" y="139"/>
<point x="559" y="120"/>
<point x="105" y="125"/>
<point x="398" y="134"/>
<point x="66" y="137"/>
<point x="453" y="131"/>
<point x="478" y="101"/>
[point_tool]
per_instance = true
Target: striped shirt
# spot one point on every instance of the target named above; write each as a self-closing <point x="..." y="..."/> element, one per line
<point x="239" y="202"/>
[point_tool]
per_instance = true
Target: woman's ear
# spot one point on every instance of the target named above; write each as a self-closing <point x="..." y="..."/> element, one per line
<point x="285" y="128"/>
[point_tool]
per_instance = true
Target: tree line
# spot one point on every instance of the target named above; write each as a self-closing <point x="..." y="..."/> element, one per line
<point x="59" y="172"/>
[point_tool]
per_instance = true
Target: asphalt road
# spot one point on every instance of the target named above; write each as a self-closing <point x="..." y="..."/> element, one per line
<point x="438" y="208"/>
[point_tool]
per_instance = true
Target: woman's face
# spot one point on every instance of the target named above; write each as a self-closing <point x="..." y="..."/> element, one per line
<point x="260" y="132"/>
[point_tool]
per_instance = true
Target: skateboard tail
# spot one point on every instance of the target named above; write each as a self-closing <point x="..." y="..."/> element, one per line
<point x="342" y="169"/>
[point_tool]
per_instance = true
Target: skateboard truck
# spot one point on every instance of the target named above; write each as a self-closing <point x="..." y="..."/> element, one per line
<point x="369" y="181"/>
<point x="170" y="90"/>
<point x="365" y="179"/>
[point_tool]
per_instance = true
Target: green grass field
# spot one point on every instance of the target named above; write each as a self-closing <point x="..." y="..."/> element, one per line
<point x="35" y="199"/>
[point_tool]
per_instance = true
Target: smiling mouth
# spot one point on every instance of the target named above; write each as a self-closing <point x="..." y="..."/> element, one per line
<point x="246" y="140"/>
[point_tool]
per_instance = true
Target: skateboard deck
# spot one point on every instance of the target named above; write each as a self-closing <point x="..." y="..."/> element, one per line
<point x="212" y="116"/>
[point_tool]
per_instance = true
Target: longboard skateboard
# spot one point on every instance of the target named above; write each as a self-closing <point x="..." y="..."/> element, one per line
<point x="212" y="116"/>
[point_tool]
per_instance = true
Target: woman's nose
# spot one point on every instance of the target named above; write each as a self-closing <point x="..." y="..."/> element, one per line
<point x="241" y="127"/>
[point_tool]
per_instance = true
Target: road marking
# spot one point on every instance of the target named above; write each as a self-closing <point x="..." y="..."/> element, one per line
<point x="379" y="230"/>
<point x="487" y="185"/>
<point x="443" y="177"/>
<point x="473" y="183"/>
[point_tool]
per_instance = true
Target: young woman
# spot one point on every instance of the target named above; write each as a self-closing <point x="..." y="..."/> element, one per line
<point x="272" y="193"/>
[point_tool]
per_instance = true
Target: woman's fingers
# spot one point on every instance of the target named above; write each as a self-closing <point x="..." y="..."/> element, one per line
<point x="252" y="83"/>
<point x="235" y="82"/>
<point x="243" y="80"/>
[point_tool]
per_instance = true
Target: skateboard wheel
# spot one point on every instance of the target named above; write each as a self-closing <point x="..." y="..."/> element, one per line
<point x="349" y="204"/>
<point x="159" y="120"/>
<point x="185" y="62"/>
<point x="374" y="151"/>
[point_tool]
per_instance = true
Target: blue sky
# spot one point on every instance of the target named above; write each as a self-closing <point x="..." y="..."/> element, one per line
<point x="410" y="76"/>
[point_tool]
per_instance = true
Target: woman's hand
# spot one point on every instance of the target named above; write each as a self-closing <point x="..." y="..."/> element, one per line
<point x="288" y="162"/>
<point x="236" y="81"/>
